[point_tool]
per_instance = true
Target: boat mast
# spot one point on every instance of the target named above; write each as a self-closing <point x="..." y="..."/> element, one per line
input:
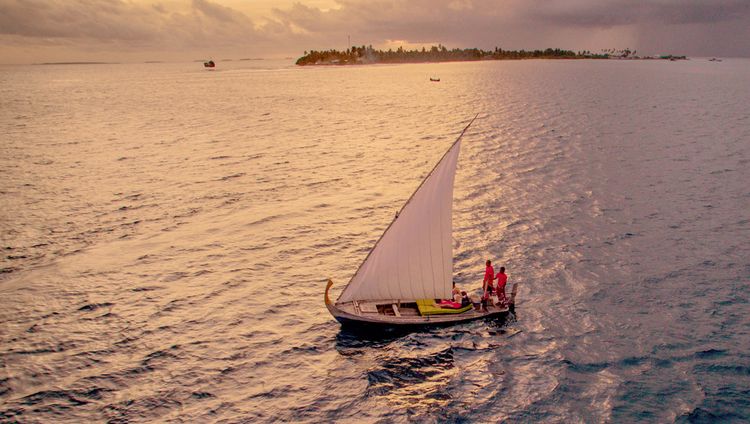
<point x="407" y="202"/>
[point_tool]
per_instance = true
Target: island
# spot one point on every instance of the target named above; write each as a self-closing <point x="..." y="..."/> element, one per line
<point x="367" y="55"/>
<point x="77" y="63"/>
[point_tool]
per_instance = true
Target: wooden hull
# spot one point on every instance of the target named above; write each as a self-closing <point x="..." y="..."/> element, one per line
<point x="351" y="314"/>
<point x="386" y="322"/>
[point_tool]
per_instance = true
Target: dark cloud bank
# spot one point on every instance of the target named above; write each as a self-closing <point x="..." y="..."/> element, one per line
<point x="692" y="27"/>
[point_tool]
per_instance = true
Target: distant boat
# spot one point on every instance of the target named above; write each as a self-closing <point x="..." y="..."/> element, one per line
<point x="434" y="79"/>
<point x="713" y="59"/>
<point x="209" y="64"/>
<point x="411" y="265"/>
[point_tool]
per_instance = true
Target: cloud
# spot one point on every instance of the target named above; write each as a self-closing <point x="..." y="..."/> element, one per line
<point x="75" y="19"/>
<point x="125" y="23"/>
<point x="218" y="12"/>
<point x="416" y="20"/>
<point x="201" y="25"/>
<point x="625" y="12"/>
<point x="575" y="24"/>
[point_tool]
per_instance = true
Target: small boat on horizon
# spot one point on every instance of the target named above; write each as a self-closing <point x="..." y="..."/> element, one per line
<point x="410" y="268"/>
<point x="209" y="64"/>
<point x="434" y="79"/>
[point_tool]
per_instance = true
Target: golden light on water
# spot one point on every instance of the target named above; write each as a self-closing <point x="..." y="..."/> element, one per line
<point x="168" y="232"/>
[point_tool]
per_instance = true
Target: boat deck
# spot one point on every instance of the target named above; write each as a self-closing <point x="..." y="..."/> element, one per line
<point x="400" y="312"/>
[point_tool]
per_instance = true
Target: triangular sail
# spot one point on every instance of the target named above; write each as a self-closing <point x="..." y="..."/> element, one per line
<point x="414" y="257"/>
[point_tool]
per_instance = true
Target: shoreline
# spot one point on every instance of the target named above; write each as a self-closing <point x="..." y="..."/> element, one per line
<point x="367" y="55"/>
<point x="365" y="63"/>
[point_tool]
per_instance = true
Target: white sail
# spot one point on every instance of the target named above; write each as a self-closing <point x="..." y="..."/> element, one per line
<point x="414" y="257"/>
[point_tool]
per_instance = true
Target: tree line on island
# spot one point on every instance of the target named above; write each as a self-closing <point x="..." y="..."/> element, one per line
<point x="439" y="53"/>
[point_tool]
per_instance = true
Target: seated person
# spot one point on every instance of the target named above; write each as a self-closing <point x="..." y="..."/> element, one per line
<point x="456" y="293"/>
<point x="488" y="292"/>
<point x="454" y="302"/>
<point x="465" y="301"/>
<point x="444" y="303"/>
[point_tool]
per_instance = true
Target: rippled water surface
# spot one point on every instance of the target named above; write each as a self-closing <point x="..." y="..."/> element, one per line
<point x="168" y="232"/>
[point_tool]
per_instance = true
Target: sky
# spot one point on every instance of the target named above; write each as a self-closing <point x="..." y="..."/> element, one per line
<point x="35" y="31"/>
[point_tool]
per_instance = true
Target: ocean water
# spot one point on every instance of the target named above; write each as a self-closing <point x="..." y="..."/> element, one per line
<point x="167" y="233"/>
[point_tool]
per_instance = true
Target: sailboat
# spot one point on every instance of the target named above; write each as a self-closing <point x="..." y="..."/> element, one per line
<point x="410" y="268"/>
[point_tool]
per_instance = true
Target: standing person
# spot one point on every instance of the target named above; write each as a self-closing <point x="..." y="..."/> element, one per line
<point x="502" y="279"/>
<point x="489" y="276"/>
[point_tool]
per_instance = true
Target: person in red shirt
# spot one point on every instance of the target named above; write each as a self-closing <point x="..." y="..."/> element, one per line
<point x="502" y="279"/>
<point x="489" y="275"/>
<point x="487" y="288"/>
